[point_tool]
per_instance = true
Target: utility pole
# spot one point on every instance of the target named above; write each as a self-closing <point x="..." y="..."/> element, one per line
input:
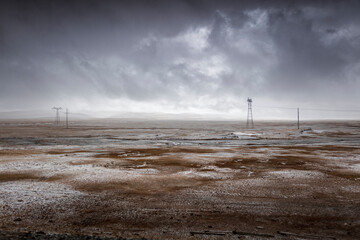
<point x="57" y="116"/>
<point x="67" y="119"/>
<point x="298" y="118"/>
<point x="249" y="121"/>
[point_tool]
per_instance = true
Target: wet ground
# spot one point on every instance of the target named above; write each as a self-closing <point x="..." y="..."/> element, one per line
<point x="181" y="180"/>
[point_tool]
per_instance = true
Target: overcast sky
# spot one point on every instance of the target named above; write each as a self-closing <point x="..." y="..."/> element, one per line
<point x="189" y="56"/>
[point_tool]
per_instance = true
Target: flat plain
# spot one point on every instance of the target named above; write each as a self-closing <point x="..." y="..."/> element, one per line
<point x="181" y="179"/>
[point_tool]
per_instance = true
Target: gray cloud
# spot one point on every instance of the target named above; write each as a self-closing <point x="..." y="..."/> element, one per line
<point x="178" y="56"/>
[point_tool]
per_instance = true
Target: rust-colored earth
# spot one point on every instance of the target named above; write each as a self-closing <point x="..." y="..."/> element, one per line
<point x="181" y="180"/>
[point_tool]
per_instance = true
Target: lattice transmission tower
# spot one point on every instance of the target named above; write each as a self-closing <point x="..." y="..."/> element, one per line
<point x="250" y="121"/>
<point x="57" y="116"/>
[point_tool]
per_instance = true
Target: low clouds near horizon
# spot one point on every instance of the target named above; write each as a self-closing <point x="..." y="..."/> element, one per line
<point x="179" y="56"/>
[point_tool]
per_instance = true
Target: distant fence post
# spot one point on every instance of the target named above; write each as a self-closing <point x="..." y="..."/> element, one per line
<point x="298" y="118"/>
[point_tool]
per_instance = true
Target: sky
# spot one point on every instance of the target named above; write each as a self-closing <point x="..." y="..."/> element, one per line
<point x="200" y="57"/>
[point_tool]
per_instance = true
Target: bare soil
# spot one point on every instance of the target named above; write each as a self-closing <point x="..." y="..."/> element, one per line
<point x="181" y="180"/>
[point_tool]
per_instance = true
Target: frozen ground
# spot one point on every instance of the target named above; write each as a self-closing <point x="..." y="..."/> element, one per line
<point x="181" y="180"/>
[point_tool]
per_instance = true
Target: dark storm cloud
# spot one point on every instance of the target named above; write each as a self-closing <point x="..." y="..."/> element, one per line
<point x="184" y="55"/>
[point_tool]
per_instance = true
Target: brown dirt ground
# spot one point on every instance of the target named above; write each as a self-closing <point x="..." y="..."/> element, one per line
<point x="303" y="191"/>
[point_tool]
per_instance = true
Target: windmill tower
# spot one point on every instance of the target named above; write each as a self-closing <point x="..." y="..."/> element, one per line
<point x="57" y="116"/>
<point x="250" y="121"/>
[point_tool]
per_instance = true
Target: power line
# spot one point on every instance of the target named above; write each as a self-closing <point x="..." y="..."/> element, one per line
<point x="314" y="109"/>
<point x="331" y="110"/>
<point x="308" y="109"/>
<point x="276" y="107"/>
<point x="73" y="113"/>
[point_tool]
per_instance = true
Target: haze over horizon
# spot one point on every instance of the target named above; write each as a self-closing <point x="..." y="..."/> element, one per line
<point x="203" y="57"/>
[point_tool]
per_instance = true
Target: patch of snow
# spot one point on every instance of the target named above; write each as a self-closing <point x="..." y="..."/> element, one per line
<point x="245" y="134"/>
<point x="194" y="174"/>
<point x="296" y="174"/>
<point x="355" y="167"/>
<point x="17" y="196"/>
